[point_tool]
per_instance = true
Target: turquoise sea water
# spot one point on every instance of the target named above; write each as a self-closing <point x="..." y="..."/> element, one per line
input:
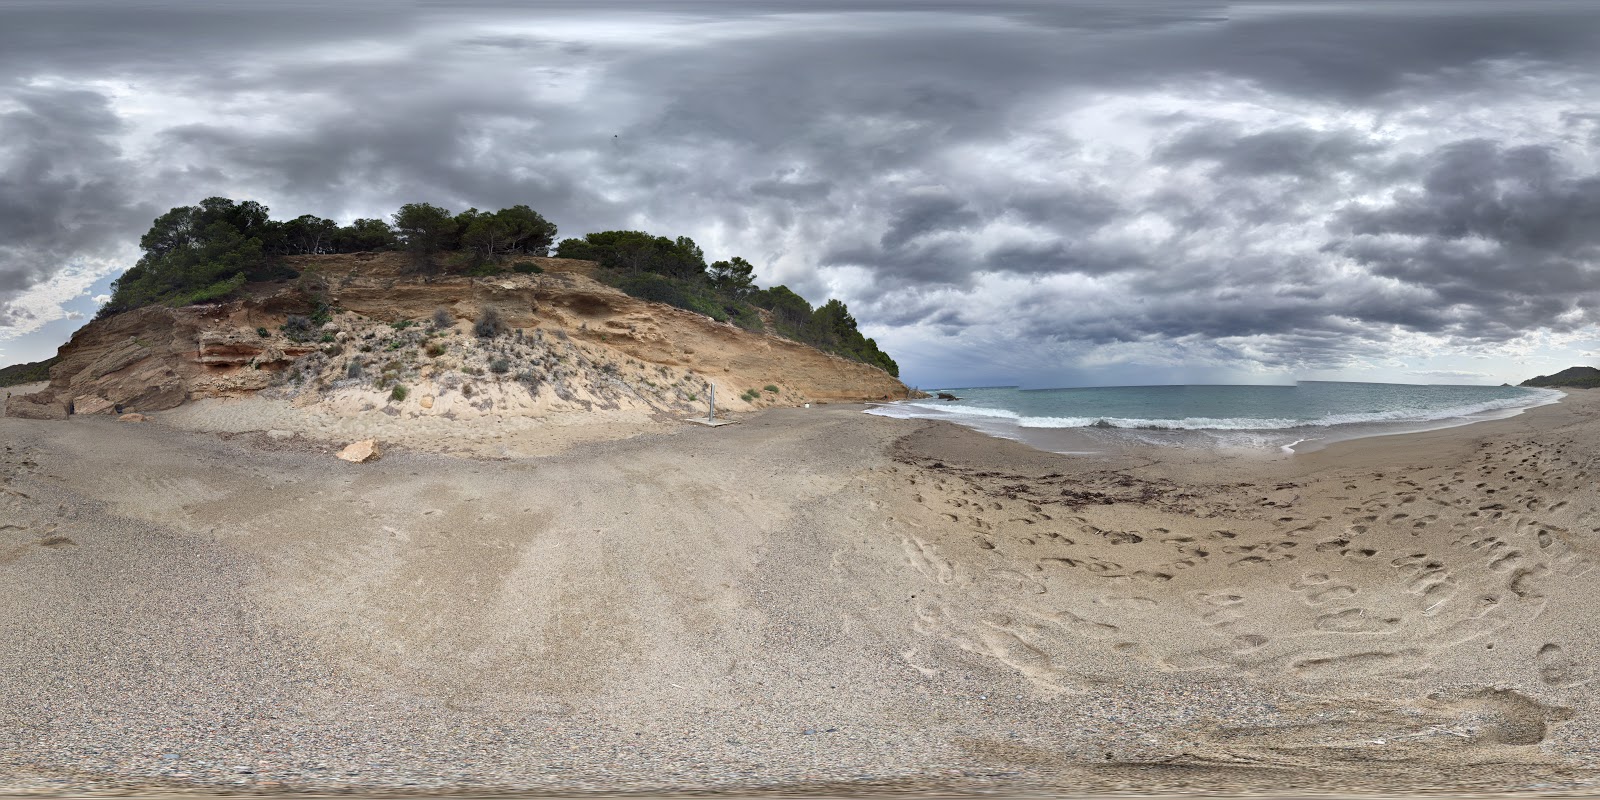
<point x="1301" y="414"/>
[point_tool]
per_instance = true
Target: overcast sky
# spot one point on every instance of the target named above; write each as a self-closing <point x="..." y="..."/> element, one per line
<point x="1045" y="193"/>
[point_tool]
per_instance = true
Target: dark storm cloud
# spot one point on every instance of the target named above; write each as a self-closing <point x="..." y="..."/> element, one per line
<point x="919" y="216"/>
<point x="1300" y="152"/>
<point x="942" y="163"/>
<point x="179" y="39"/>
<point x="1517" y="197"/>
<point x="60" y="190"/>
<point x="1506" y="238"/>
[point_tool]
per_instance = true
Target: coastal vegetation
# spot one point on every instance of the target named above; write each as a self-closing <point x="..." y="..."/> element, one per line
<point x="1570" y="378"/>
<point x="208" y="253"/>
<point x="675" y="272"/>
<point x="18" y="374"/>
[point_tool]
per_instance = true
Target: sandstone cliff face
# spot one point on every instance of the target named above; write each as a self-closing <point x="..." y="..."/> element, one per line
<point x="570" y="344"/>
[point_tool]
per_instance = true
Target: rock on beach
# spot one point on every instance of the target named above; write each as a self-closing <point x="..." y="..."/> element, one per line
<point x="360" y="452"/>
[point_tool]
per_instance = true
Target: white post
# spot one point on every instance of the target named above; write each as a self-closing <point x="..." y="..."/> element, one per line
<point x="711" y="413"/>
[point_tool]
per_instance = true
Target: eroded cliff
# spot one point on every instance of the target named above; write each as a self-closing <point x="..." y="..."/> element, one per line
<point x="565" y="343"/>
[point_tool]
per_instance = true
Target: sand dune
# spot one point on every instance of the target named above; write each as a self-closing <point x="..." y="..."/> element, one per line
<point x="814" y="598"/>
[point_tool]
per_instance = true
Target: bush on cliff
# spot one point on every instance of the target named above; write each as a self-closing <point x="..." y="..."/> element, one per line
<point x="489" y="324"/>
<point x="674" y="271"/>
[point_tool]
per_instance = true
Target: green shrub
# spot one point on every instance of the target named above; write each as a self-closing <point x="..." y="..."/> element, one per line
<point x="500" y="366"/>
<point x="263" y="332"/>
<point x="772" y="388"/>
<point x="436" y="349"/>
<point x="327" y="337"/>
<point x="526" y="268"/>
<point x="745" y="316"/>
<point x="398" y="394"/>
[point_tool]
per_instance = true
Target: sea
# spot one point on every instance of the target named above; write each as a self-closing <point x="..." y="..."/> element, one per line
<point x="1288" y="418"/>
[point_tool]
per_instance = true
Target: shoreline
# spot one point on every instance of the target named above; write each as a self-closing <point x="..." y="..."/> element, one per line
<point x="812" y="601"/>
<point x="1099" y="441"/>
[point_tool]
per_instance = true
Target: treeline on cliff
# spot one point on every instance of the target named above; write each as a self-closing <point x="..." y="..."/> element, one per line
<point x="209" y="251"/>
<point x="675" y="272"/>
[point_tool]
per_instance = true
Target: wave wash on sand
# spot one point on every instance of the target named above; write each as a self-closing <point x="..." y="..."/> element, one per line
<point x="1303" y="416"/>
<point x="816" y="599"/>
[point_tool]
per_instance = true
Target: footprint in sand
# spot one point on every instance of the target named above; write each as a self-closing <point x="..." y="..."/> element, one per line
<point x="1399" y="663"/>
<point x="1356" y="620"/>
<point x="1526" y="583"/>
<point x="1237" y="652"/>
<point x="1331" y="594"/>
<point x="1557" y="668"/>
<point x="1316" y="588"/>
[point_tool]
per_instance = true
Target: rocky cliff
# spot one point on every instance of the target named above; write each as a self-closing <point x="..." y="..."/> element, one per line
<point x="379" y="338"/>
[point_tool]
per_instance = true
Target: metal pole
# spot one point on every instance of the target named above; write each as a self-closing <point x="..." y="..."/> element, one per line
<point x="711" y="413"/>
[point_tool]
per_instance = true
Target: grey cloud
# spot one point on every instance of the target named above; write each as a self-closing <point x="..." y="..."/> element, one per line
<point x="1299" y="152"/>
<point x="1060" y="258"/>
<point x="178" y="39"/>
<point x="60" y="189"/>
<point x="1507" y="239"/>
<point x="1520" y="196"/>
<point x="918" y="216"/>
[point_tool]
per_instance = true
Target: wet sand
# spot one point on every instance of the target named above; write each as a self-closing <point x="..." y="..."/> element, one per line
<point x="813" y="600"/>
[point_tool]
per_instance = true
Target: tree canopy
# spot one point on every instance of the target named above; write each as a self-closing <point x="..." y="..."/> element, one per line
<point x="209" y="251"/>
<point x="636" y="251"/>
<point x="514" y="230"/>
<point x="197" y="253"/>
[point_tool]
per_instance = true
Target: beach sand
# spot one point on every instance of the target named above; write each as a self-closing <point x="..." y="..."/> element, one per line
<point x="812" y="600"/>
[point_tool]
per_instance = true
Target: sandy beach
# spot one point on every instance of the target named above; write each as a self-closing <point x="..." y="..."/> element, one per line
<point x="811" y="600"/>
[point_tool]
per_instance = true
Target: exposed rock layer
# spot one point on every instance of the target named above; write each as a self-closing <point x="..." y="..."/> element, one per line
<point x="155" y="358"/>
